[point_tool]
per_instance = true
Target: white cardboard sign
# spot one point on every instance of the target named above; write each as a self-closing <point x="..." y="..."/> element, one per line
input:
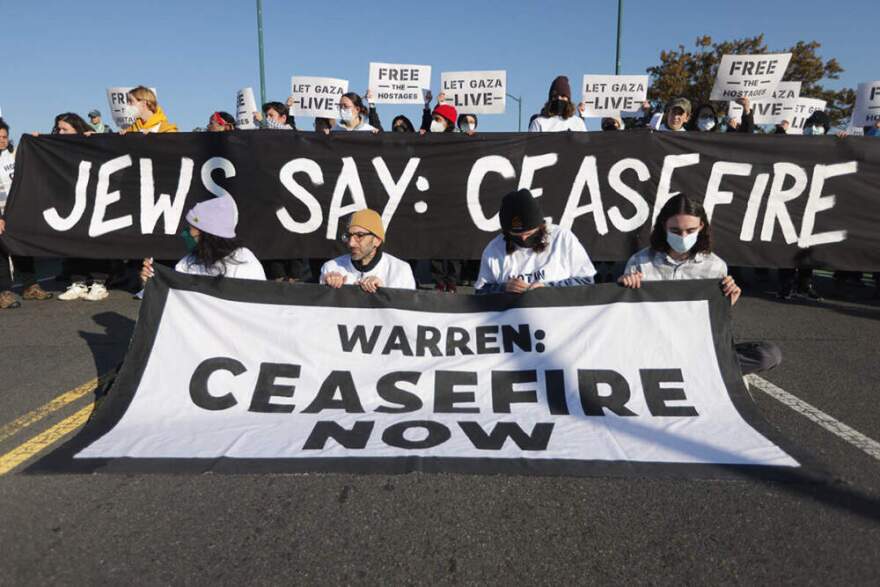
<point x="316" y="96"/>
<point x="805" y="107"/>
<point x="475" y="92"/>
<point x="245" y="106"/>
<point x="608" y="95"/>
<point x="752" y="76"/>
<point x="779" y="107"/>
<point x="117" y="98"/>
<point x="867" y="109"/>
<point x="397" y="83"/>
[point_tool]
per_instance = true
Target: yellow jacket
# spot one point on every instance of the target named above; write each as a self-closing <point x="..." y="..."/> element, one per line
<point x="158" y="122"/>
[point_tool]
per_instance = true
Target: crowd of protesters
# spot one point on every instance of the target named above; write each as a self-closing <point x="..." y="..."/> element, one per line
<point x="528" y="254"/>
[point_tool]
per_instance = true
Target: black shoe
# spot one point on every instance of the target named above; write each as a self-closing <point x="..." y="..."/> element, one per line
<point x="810" y="292"/>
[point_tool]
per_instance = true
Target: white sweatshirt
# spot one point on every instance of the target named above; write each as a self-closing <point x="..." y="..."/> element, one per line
<point x="390" y="270"/>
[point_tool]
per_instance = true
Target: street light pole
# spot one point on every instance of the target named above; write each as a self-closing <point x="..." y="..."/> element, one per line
<point x="262" y="60"/>
<point x="519" y="111"/>
<point x="619" y="26"/>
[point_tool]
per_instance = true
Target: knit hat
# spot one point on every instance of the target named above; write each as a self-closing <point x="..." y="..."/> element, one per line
<point x="520" y="211"/>
<point x="560" y="87"/>
<point x="369" y="220"/>
<point x="448" y="112"/>
<point x="217" y="216"/>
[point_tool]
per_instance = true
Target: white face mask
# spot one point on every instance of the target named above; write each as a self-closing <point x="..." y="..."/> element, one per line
<point x="706" y="123"/>
<point x="682" y="244"/>
<point x="817" y="130"/>
<point x="346" y="114"/>
<point x="437" y="126"/>
<point x="467" y="127"/>
<point x="132" y="111"/>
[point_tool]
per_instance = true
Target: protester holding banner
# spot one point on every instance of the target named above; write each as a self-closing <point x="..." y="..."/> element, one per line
<point x="213" y="247"/>
<point x="24" y="266"/>
<point x="221" y="122"/>
<point x="70" y="123"/>
<point x="148" y="115"/>
<point x="276" y="116"/>
<point x="531" y="253"/>
<point x="681" y="248"/>
<point x="352" y="115"/>
<point x="97" y="124"/>
<point x="558" y="114"/>
<point x="706" y="120"/>
<point x="443" y="117"/>
<point x="367" y="265"/>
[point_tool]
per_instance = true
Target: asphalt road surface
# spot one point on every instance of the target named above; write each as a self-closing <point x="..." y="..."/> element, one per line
<point x="440" y="528"/>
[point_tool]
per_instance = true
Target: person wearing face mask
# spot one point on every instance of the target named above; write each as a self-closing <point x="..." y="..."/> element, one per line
<point x="558" y="114"/>
<point x="531" y="253"/>
<point x="212" y="246"/>
<point x="367" y="265"/>
<point x="443" y="117"/>
<point x="681" y="248"/>
<point x="817" y="125"/>
<point x="275" y="116"/>
<point x="402" y="124"/>
<point x="352" y="115"/>
<point x="467" y="124"/>
<point x="676" y="116"/>
<point x="706" y="120"/>
<point x="148" y="115"/>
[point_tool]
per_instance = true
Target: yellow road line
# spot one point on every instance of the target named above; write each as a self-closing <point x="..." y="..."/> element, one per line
<point x="44" y="440"/>
<point x="56" y="404"/>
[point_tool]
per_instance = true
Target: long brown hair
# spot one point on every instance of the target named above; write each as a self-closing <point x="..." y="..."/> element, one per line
<point x="682" y="204"/>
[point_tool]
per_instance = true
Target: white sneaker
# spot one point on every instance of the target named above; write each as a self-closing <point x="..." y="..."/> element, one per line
<point x="96" y="293"/>
<point x="75" y="291"/>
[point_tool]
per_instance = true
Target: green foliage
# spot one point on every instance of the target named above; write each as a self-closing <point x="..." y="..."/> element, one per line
<point x="692" y="73"/>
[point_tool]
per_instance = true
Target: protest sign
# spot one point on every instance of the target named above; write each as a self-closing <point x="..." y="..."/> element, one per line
<point x="771" y="201"/>
<point x="245" y="106"/>
<point x="394" y="83"/>
<point x="802" y="111"/>
<point x="117" y="97"/>
<point x="752" y="76"/>
<point x="317" y="379"/>
<point x="475" y="92"/>
<point x="867" y="109"/>
<point x="774" y="110"/>
<point x="609" y="95"/>
<point x="317" y="96"/>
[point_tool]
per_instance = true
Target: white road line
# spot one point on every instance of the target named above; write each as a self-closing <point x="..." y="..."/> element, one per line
<point x="854" y="437"/>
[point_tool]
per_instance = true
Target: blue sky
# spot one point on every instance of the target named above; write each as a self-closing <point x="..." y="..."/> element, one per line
<point x="61" y="56"/>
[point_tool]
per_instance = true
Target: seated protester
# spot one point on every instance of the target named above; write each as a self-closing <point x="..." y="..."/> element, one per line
<point x="367" y="265"/>
<point x="558" y="114"/>
<point x="681" y="248"/>
<point x="676" y="116"/>
<point x="221" y="122"/>
<point x="212" y="245"/>
<point x="530" y="253"/>
<point x="352" y="115"/>
<point x="276" y="116"/>
<point x="148" y="115"/>
<point x="467" y="123"/>
<point x="402" y="124"/>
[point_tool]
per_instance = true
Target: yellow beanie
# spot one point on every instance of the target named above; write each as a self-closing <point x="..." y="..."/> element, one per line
<point x="370" y="220"/>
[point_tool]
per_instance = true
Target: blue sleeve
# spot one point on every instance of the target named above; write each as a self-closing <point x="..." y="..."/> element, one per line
<point x="490" y="288"/>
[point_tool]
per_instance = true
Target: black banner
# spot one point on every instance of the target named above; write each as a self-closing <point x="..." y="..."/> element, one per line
<point x="773" y="200"/>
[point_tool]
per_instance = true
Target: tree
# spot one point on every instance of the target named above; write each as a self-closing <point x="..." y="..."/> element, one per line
<point x="692" y="74"/>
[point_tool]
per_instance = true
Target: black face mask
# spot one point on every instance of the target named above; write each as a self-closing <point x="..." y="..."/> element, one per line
<point x="400" y="128"/>
<point x="527" y="243"/>
<point x="558" y="107"/>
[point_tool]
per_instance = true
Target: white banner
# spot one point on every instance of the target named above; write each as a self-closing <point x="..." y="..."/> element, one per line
<point x="395" y="83"/>
<point x="547" y="382"/>
<point x="317" y="96"/>
<point x="245" y="106"/>
<point x="475" y="92"/>
<point x="867" y="109"/>
<point x="752" y="76"/>
<point x="802" y="111"/>
<point x="117" y="98"/>
<point x="609" y="95"/>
